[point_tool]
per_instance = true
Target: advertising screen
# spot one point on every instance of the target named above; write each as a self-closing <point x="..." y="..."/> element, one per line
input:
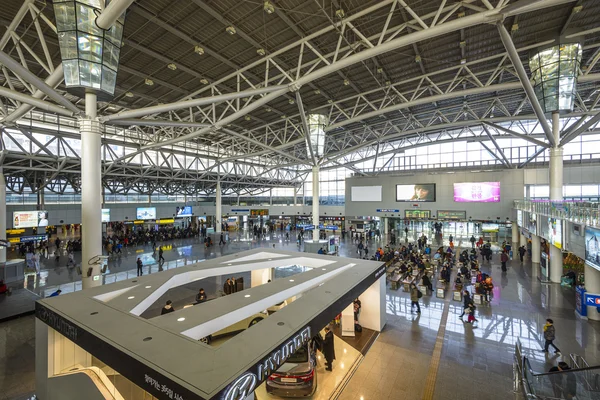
<point x="146" y="213"/>
<point x="366" y="193"/>
<point x="185" y="211"/>
<point x="532" y="225"/>
<point x="592" y="247"/>
<point x="555" y="232"/>
<point x="519" y="217"/>
<point x="106" y="215"/>
<point x="30" y="219"/>
<point x="490" y="227"/>
<point x="477" y="192"/>
<point x="417" y="192"/>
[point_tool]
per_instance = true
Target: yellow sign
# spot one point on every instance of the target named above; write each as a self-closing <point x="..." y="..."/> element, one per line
<point x="165" y="221"/>
<point x="14" y="240"/>
<point x="15" y="231"/>
<point x="138" y="221"/>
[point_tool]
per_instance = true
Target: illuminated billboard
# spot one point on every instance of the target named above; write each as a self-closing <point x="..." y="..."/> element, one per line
<point x="418" y="192"/>
<point x="146" y="213"/>
<point x="477" y="192"/>
<point x="185" y="211"/>
<point x="30" y="219"/>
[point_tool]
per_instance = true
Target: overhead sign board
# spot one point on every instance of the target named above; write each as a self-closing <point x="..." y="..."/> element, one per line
<point x="387" y="210"/>
<point x="452" y="214"/>
<point x="592" y="300"/>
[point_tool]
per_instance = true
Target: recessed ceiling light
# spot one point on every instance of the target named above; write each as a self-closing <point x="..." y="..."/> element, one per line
<point x="291" y="280"/>
<point x="231" y="30"/>
<point x="268" y="7"/>
<point x="198" y="50"/>
<point x="128" y="94"/>
<point x="149" y="82"/>
<point x="172" y="67"/>
<point x="291" y="101"/>
<point x="228" y="264"/>
<point x="261" y="52"/>
<point x="180" y="319"/>
<point x="324" y="269"/>
<point x="131" y="297"/>
<point x="148" y="287"/>
<point x="270" y="259"/>
<point x="204" y="81"/>
<point x="247" y="295"/>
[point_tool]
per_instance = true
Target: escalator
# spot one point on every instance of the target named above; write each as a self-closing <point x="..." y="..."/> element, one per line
<point x="89" y="380"/>
<point x="576" y="381"/>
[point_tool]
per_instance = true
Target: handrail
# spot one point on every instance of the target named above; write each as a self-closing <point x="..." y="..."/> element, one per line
<point x="102" y="382"/>
<point x="574" y="361"/>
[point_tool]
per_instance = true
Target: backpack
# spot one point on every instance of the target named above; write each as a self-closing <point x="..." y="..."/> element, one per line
<point x="357" y="328"/>
<point x="419" y="294"/>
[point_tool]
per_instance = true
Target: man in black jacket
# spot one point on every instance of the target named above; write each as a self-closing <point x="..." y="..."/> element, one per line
<point x="328" y="349"/>
<point x="201" y="296"/>
<point x="466" y="301"/>
<point x="139" y="267"/>
<point x="168" y="308"/>
<point x="227" y="287"/>
<point x="522" y="252"/>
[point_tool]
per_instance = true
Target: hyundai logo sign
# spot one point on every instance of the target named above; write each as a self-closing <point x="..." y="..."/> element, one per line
<point x="242" y="387"/>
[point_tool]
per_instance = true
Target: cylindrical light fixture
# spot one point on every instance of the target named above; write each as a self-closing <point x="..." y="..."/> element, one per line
<point x="90" y="55"/>
<point x="316" y="128"/>
<point x="554" y="73"/>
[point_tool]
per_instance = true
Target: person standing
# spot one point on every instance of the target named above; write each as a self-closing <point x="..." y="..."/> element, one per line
<point x="328" y="349"/>
<point x="139" y="267"/>
<point x="361" y="246"/>
<point x="550" y="336"/>
<point x="504" y="260"/>
<point x="161" y="259"/>
<point x="414" y="298"/>
<point x="472" y="240"/>
<point x="227" y="287"/>
<point x="466" y="301"/>
<point x="221" y="239"/>
<point x="201" y="296"/>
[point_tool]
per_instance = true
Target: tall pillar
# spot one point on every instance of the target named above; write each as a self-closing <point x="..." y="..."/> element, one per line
<point x="271" y="196"/>
<point x="536" y="249"/>
<point x="522" y="240"/>
<point x="556" y="194"/>
<point x="91" y="193"/>
<point x="386" y="227"/>
<point x="315" y="203"/>
<point x="515" y="235"/>
<point x="592" y="285"/>
<point x="527" y="192"/>
<point x="2" y="215"/>
<point x="218" y="212"/>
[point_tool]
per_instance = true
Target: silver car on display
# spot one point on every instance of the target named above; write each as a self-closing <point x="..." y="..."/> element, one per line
<point x="297" y="377"/>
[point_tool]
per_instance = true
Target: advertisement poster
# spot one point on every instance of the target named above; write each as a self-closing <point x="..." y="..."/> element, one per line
<point x="30" y="219"/>
<point x="146" y="213"/>
<point x="106" y="215"/>
<point x="519" y="217"/>
<point x="489" y="227"/>
<point x="592" y="258"/>
<point x="419" y="192"/>
<point x="532" y="224"/>
<point x="185" y="211"/>
<point x="555" y="232"/>
<point x="477" y="192"/>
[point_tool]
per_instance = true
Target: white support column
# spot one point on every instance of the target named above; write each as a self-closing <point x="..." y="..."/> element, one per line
<point x="386" y="228"/>
<point x="556" y="194"/>
<point x="2" y="215"/>
<point x="592" y="285"/>
<point x="535" y="250"/>
<point x="218" y="212"/>
<point x="315" y="203"/>
<point x="91" y="193"/>
<point x="515" y="235"/>
<point x="522" y="240"/>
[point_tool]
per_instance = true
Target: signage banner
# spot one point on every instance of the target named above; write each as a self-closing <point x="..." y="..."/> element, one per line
<point x="106" y="215"/>
<point x="240" y="210"/>
<point x="442" y="214"/>
<point x="580" y="305"/>
<point x="29" y="219"/>
<point x="387" y="210"/>
<point x="418" y="214"/>
<point x="477" y="192"/>
<point x="592" y="300"/>
<point x="33" y="238"/>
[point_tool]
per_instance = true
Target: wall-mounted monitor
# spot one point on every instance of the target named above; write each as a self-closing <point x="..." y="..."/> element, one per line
<point x="145" y="213"/>
<point x="490" y="228"/>
<point x="30" y="219"/>
<point x="519" y="218"/>
<point x="477" y="192"/>
<point x="366" y="193"/>
<point x="592" y="247"/>
<point x="417" y="214"/>
<point x="555" y="232"/>
<point x="106" y="215"/>
<point x="185" y="211"/>
<point x="417" y="192"/>
<point x="454" y="215"/>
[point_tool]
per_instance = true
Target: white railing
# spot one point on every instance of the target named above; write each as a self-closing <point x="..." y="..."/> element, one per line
<point x="586" y="213"/>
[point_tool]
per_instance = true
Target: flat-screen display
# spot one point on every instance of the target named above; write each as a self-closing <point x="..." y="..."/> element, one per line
<point x="416" y="192"/>
<point x="592" y="247"/>
<point x="106" y="215"/>
<point x="185" y="211"/>
<point x="477" y="192"/>
<point x="366" y="193"/>
<point x="145" y="213"/>
<point x="452" y="214"/>
<point x="555" y="232"/>
<point x="489" y="227"/>
<point x="519" y="218"/>
<point x="418" y="214"/>
<point x="30" y="219"/>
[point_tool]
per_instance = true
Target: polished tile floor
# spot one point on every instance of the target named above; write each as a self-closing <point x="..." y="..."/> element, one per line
<point x="474" y="361"/>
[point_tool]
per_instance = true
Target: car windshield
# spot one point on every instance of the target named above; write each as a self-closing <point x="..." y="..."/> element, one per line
<point x="300" y="356"/>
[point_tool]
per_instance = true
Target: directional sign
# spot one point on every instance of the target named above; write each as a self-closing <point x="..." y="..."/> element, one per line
<point x="592" y="299"/>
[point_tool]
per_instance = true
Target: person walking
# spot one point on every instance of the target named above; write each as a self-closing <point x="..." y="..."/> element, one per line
<point x="222" y="239"/>
<point x="328" y="349"/>
<point x="161" y="259"/>
<point x="139" y="267"/>
<point x="550" y="336"/>
<point x="504" y="260"/>
<point x="361" y="247"/>
<point x="466" y="301"/>
<point x="472" y="240"/>
<point x="414" y="297"/>
<point x="522" y="252"/>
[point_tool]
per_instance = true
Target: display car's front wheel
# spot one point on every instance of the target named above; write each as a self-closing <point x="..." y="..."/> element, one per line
<point x="206" y="339"/>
